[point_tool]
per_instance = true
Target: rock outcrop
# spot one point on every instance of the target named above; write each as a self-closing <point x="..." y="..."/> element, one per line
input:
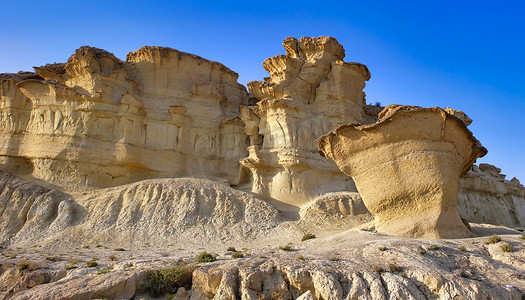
<point x="310" y="91"/>
<point x="485" y="196"/>
<point x="193" y="211"/>
<point x="96" y="121"/>
<point x="407" y="167"/>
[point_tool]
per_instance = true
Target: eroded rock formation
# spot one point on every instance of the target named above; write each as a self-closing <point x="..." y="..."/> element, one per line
<point x="310" y="91"/>
<point x="407" y="167"/>
<point x="485" y="196"/>
<point x="97" y="121"/>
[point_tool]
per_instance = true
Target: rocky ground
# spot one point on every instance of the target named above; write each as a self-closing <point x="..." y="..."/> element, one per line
<point x="352" y="264"/>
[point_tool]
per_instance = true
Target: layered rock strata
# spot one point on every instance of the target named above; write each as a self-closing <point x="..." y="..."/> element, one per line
<point x="310" y="91"/>
<point x="485" y="196"/>
<point x="96" y="121"/>
<point x="407" y="167"/>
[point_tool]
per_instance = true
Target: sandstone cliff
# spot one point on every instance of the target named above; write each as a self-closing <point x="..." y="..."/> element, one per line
<point x="310" y="91"/>
<point x="96" y="121"/>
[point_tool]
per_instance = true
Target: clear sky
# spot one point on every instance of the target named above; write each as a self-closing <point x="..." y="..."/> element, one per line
<point x="469" y="55"/>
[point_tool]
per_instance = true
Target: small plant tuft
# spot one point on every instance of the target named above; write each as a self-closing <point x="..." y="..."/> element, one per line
<point x="285" y="248"/>
<point x="299" y="257"/>
<point x="434" y="247"/>
<point x="91" y="263"/>
<point x="378" y="269"/>
<point x="308" y="236"/>
<point x="394" y="268"/>
<point x="119" y="249"/>
<point x="237" y="255"/>
<point x="205" y="257"/>
<point x="334" y="258"/>
<point x="422" y="251"/>
<point x="381" y="248"/>
<point x="462" y="248"/>
<point x="113" y="258"/>
<point x="54" y="258"/>
<point x="505" y="247"/>
<point x="103" y="271"/>
<point x="523" y="236"/>
<point x="493" y="239"/>
<point x="70" y="267"/>
<point x="168" y="280"/>
<point x="232" y="249"/>
<point x="23" y="265"/>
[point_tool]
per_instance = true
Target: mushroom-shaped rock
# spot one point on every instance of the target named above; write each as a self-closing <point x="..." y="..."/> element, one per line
<point x="406" y="167"/>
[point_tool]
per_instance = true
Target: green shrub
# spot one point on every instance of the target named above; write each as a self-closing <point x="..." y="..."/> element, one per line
<point x="168" y="280"/>
<point x="232" y="249"/>
<point x="103" y="271"/>
<point x="381" y="248"/>
<point x="23" y="265"/>
<point x="378" y="269"/>
<point x="308" y="236"/>
<point x="434" y="247"/>
<point x="505" y="247"/>
<point x="462" y="248"/>
<point x="285" y="247"/>
<point x="523" y="236"/>
<point x="394" y="268"/>
<point x="237" y="255"/>
<point x="422" y="251"/>
<point x="205" y="257"/>
<point x="91" y="263"/>
<point x="69" y="267"/>
<point x="113" y="258"/>
<point x="493" y="239"/>
<point x="54" y="258"/>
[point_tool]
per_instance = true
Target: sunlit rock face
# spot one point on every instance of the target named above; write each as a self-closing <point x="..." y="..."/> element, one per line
<point x="310" y="91"/>
<point x="407" y="167"/>
<point x="96" y="121"/>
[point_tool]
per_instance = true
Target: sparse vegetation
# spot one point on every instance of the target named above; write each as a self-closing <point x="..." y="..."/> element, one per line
<point x="119" y="249"/>
<point x="287" y="247"/>
<point x="523" y="236"/>
<point x="394" y="268"/>
<point x="308" y="236"/>
<point x="434" y="247"/>
<point x="85" y="247"/>
<point x="422" y="251"/>
<point x="378" y="269"/>
<point x="237" y="255"/>
<point x="493" y="239"/>
<point x="113" y="258"/>
<point x="299" y="257"/>
<point x="54" y="258"/>
<point x="381" y="248"/>
<point x="232" y="249"/>
<point x="462" y="248"/>
<point x="23" y="264"/>
<point x="505" y="247"/>
<point x="69" y="267"/>
<point x="168" y="280"/>
<point x="205" y="257"/>
<point x="91" y="263"/>
<point x="333" y="258"/>
<point x="103" y="271"/>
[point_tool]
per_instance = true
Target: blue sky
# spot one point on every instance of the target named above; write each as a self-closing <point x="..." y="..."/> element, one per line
<point x="468" y="55"/>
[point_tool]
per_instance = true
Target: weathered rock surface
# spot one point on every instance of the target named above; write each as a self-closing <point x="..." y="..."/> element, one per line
<point x="96" y="121"/>
<point x="310" y="91"/>
<point x="193" y="211"/>
<point x="486" y="197"/>
<point x="407" y="167"/>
